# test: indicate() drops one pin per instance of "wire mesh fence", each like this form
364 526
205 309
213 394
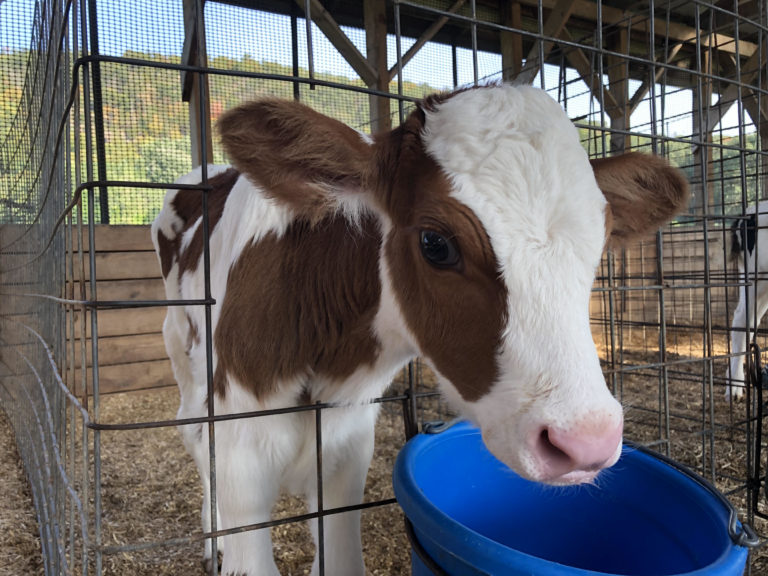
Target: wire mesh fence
104 104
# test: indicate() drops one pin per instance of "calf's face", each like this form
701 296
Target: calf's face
497 227
493 222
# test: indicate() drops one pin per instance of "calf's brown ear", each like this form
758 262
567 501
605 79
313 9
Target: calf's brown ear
298 155
643 192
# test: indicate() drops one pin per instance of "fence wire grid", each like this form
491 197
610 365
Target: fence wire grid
104 104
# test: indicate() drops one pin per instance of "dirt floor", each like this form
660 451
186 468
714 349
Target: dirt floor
151 490
20 553
151 493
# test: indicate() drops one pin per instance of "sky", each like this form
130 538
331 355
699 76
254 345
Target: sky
157 26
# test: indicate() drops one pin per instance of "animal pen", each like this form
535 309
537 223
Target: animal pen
103 104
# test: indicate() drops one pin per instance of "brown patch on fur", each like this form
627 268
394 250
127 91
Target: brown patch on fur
270 141
193 337
188 206
168 251
299 305
457 314
643 192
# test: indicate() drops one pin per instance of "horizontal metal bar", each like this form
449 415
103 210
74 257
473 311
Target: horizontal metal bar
245 528
242 415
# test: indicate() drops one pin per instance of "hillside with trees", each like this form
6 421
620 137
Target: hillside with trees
146 126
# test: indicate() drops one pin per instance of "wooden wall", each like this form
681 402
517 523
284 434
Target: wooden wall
132 354
694 271
131 351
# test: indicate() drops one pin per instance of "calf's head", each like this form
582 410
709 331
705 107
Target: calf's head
493 222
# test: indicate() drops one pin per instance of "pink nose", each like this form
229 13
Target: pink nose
587 447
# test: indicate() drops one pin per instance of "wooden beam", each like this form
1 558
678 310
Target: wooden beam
511 44
645 87
749 72
375 21
584 67
749 100
554 25
428 34
702 155
134 238
341 41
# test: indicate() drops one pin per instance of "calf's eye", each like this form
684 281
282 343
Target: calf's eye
439 250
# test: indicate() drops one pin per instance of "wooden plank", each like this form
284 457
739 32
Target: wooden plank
108 238
22 278
18 304
142 289
126 377
122 322
117 238
340 41
14 334
122 349
124 266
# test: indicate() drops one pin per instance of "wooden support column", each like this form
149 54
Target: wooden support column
619 89
511 43
194 89
375 17
702 132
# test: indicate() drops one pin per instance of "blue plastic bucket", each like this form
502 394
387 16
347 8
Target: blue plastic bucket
471 515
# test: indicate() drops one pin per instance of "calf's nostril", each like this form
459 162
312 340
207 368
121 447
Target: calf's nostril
550 452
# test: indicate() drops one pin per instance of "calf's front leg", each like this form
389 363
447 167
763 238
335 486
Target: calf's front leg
345 467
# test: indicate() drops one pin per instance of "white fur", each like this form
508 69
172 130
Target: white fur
753 302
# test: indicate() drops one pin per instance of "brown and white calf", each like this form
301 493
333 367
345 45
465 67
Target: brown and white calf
468 236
